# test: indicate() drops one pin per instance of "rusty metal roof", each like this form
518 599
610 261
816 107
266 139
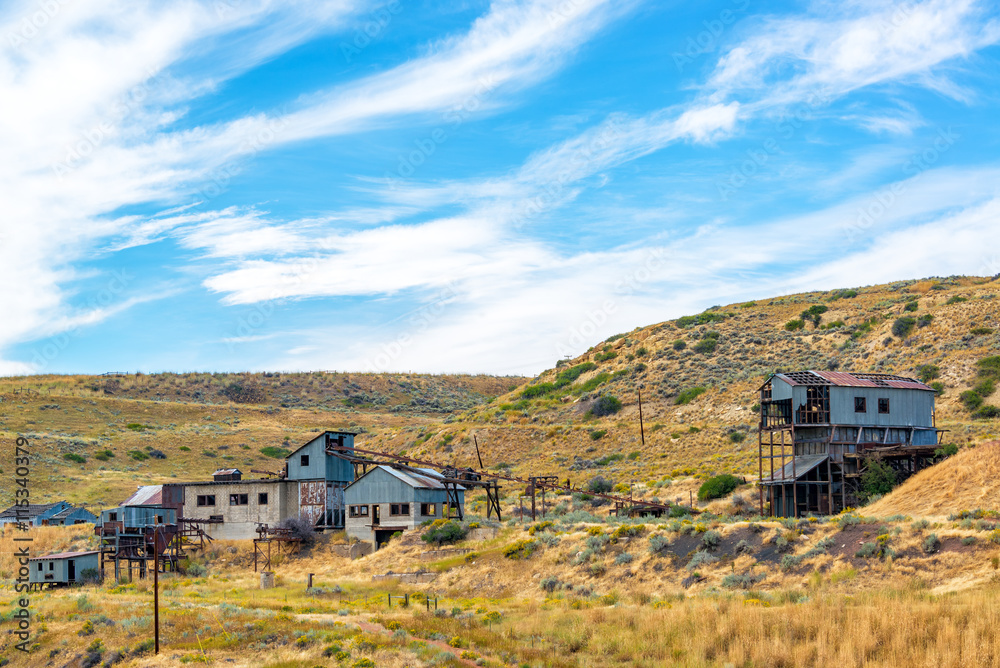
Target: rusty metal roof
64 555
227 472
147 495
852 379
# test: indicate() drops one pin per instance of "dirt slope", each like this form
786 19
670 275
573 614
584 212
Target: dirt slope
967 481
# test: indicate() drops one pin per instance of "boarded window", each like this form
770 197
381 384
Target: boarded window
238 499
304 460
215 517
883 406
399 509
206 499
262 498
428 509
860 405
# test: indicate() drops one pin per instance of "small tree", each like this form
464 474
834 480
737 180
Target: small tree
605 405
879 478
600 485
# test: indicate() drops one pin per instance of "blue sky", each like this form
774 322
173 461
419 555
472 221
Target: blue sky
470 186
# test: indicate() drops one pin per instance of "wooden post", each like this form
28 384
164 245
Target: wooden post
760 469
310 584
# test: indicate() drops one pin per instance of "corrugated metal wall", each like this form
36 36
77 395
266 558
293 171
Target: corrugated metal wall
906 407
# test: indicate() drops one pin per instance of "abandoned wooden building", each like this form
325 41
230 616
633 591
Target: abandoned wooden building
387 499
64 568
818 429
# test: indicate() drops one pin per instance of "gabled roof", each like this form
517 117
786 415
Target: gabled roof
417 478
147 495
66 512
227 472
328 431
64 555
34 510
852 379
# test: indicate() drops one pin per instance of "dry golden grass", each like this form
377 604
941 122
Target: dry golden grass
967 481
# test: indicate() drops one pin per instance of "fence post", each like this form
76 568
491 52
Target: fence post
389 597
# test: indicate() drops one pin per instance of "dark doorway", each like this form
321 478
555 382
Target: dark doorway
71 570
376 508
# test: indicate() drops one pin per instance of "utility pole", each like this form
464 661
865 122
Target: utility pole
156 591
642 432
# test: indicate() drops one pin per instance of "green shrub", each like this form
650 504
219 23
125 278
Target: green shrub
793 325
275 452
658 544
707 344
903 326
447 532
73 457
814 314
946 450
737 437
981 331
138 455
741 581
701 558
689 395
607 459
605 405
718 487
533 391
931 544
679 344
711 539
634 455
986 413
593 383
521 549
598 434
985 388
878 479
135 426
928 372
971 399
600 485
911 306
956 300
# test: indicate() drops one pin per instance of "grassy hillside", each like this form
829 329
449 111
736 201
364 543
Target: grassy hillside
699 375
908 580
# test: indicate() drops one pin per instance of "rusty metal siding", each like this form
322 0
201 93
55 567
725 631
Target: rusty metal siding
312 501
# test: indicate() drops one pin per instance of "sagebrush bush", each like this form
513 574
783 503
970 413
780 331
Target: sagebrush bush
718 487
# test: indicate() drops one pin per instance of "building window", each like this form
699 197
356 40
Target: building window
39 565
428 509
112 517
51 565
399 509
262 498
359 511
304 460
238 499
860 406
215 517
883 406
206 499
